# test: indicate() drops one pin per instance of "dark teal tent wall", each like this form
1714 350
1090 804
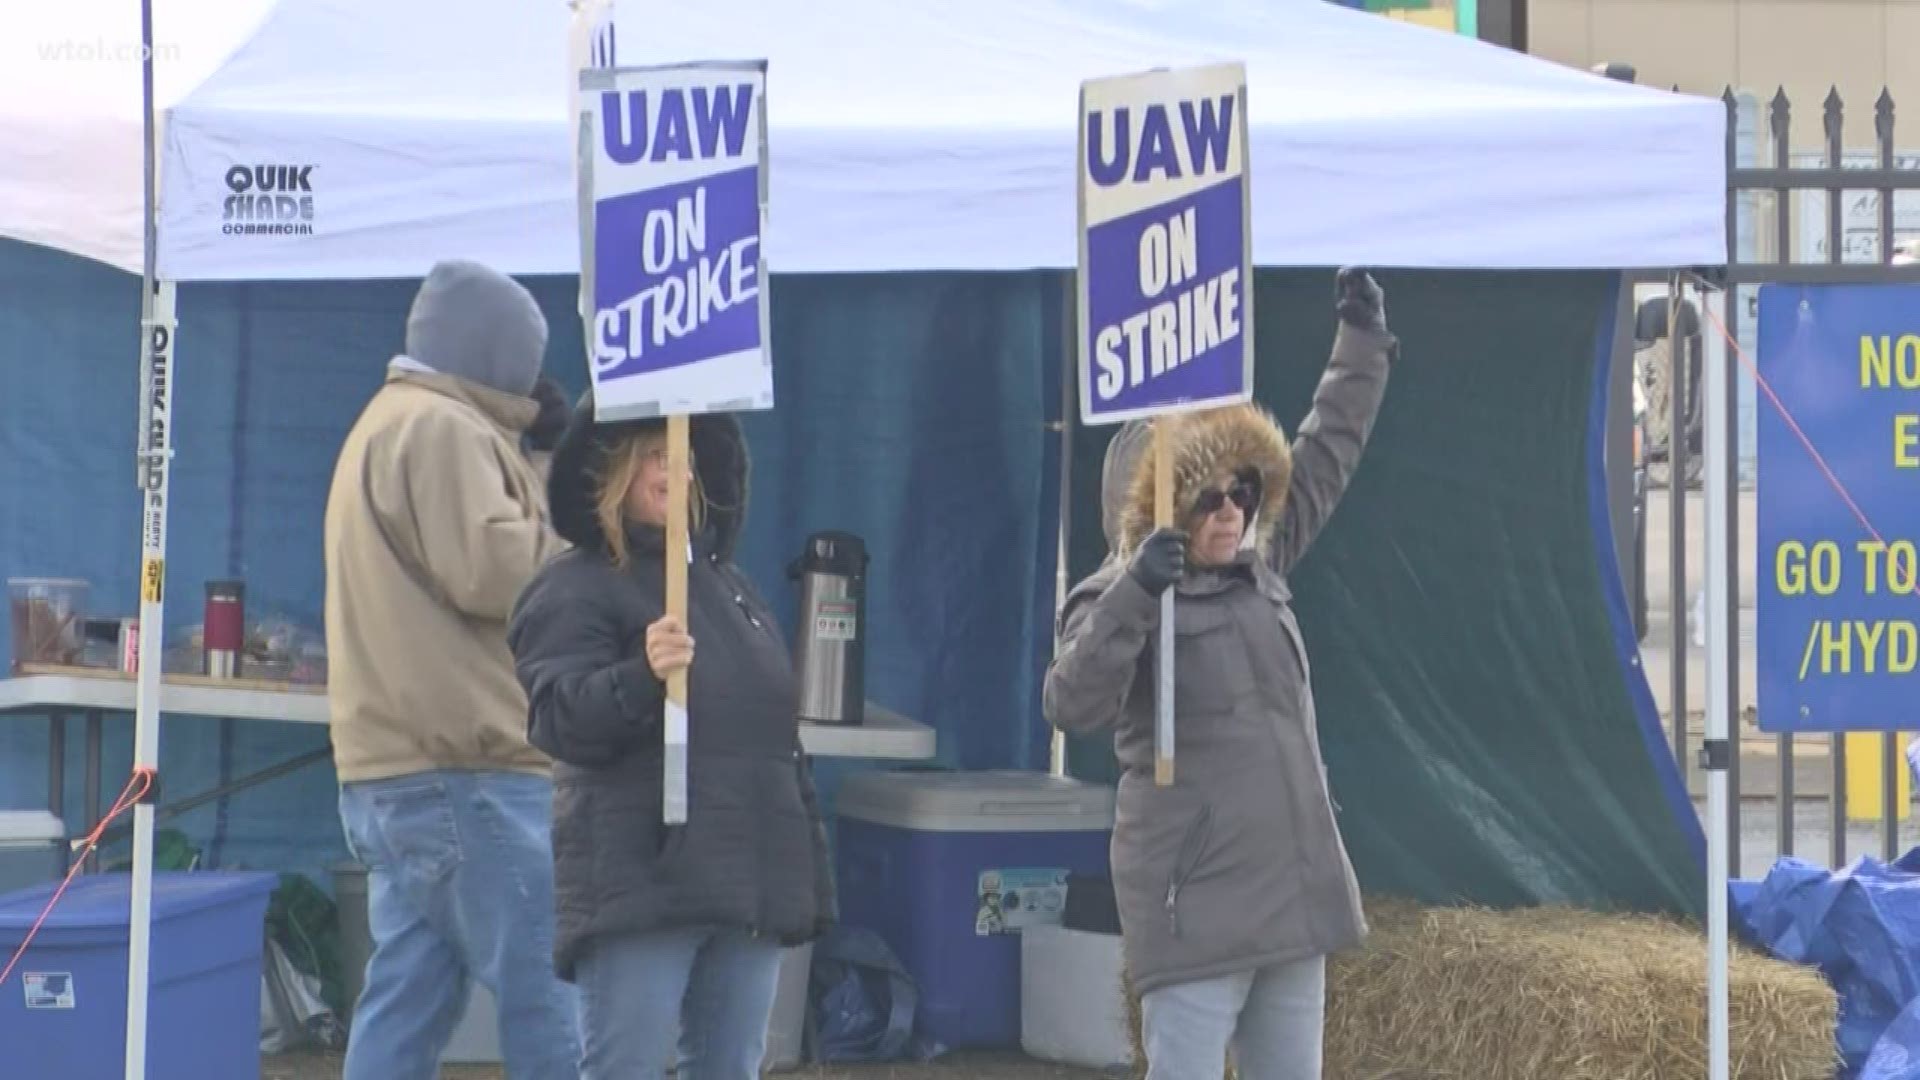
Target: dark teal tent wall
1485 734
912 409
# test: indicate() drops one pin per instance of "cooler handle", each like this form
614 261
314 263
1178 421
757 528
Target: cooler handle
994 806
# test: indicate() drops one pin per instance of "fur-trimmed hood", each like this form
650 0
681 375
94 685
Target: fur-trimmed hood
1206 445
719 457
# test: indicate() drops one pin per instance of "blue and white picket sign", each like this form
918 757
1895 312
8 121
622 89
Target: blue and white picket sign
674 206
1166 268
1166 256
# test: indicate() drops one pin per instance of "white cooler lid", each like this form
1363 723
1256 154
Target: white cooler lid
991 801
31 827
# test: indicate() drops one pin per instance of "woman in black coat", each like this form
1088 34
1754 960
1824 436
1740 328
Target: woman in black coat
657 924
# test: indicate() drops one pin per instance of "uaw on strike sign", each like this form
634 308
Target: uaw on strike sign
1837 617
1166 259
674 178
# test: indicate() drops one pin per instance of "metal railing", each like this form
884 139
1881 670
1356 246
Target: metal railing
1861 231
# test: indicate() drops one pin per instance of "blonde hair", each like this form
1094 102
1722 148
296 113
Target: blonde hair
623 461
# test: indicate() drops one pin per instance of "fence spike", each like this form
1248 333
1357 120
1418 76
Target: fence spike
1883 115
1833 113
1779 119
1836 155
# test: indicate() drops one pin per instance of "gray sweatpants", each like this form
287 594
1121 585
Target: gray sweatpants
1270 1018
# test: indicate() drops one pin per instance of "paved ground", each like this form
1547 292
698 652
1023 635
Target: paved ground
1759 830
969 1066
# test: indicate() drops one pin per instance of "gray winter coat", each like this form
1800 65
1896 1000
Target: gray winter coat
752 854
1239 864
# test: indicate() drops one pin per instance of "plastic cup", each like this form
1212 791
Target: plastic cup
46 616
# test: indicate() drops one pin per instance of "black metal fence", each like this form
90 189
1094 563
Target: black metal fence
1856 246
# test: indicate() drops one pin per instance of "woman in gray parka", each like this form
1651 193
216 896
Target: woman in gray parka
1233 883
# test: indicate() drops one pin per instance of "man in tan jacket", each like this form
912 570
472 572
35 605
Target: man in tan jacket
435 522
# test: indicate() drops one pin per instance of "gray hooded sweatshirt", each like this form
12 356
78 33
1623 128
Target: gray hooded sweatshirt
475 323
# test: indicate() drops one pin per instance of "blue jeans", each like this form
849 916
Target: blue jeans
459 886
1271 1019
635 989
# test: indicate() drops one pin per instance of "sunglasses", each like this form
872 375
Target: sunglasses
1243 493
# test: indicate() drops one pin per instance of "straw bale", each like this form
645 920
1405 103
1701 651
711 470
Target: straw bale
1466 993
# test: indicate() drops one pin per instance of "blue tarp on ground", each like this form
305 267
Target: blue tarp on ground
912 409
1861 928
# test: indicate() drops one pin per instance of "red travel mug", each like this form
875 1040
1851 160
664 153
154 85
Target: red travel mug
225 625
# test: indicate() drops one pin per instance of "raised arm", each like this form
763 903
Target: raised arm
1330 442
588 701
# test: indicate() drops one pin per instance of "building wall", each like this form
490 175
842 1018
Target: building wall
1807 47
1453 16
1704 46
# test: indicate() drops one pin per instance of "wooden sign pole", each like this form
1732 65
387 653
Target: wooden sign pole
627 385
674 787
1163 697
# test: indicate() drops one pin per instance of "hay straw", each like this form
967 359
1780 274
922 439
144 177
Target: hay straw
1472 994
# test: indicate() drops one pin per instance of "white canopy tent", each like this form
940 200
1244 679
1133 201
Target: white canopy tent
904 135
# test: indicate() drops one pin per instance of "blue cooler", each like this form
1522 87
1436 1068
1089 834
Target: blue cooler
947 867
63 1012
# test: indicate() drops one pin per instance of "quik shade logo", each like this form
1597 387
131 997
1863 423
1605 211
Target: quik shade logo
268 200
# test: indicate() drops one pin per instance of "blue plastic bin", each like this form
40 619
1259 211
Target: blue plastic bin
947 867
63 1013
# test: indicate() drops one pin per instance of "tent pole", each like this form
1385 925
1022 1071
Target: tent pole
155 441
1716 752
1069 383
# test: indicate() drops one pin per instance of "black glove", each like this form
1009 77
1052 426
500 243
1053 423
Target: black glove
1161 560
1359 300
554 414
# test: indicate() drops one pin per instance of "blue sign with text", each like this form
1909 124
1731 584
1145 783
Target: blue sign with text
1838 508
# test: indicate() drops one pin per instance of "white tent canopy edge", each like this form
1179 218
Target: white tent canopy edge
70 112
941 138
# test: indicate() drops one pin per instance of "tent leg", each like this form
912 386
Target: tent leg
1069 361
156 446
1717 751
157 443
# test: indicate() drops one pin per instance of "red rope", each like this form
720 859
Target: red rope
137 787
1792 425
